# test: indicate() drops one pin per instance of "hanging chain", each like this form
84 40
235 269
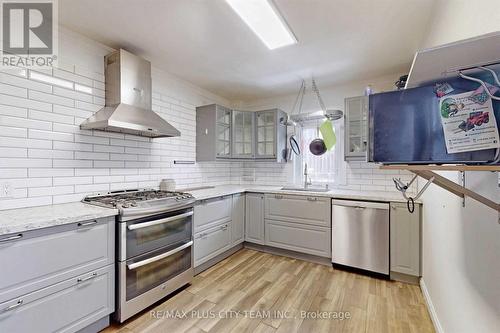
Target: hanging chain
320 100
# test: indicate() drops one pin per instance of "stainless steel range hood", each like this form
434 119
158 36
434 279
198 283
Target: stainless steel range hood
128 99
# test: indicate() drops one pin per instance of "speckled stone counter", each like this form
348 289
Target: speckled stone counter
24 219
217 191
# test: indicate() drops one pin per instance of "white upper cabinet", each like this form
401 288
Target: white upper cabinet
243 134
222 133
356 128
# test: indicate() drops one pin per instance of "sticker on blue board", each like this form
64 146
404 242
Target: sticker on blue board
480 95
442 89
468 124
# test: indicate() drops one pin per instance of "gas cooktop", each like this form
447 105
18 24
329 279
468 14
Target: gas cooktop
139 198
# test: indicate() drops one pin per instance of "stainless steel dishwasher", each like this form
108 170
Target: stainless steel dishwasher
360 235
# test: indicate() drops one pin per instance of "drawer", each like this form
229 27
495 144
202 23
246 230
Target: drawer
44 257
211 242
67 306
306 239
299 209
212 211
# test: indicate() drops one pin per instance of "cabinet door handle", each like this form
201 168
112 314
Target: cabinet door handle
86 224
92 276
278 196
312 199
393 207
11 238
13 306
224 227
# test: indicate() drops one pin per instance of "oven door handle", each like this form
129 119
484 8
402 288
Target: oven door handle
160 221
159 257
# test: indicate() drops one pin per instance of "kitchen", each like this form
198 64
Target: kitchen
170 174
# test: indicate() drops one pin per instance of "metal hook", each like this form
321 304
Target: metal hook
401 187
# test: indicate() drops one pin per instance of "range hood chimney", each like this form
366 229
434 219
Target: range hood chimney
128 99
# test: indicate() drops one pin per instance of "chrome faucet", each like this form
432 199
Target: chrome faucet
306 182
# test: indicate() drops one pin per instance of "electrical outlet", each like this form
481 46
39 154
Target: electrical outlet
6 190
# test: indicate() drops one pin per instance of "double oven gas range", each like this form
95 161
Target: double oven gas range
154 247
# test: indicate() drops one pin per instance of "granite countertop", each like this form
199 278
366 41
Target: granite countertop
217 191
24 219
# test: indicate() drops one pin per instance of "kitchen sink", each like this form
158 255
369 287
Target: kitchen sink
309 189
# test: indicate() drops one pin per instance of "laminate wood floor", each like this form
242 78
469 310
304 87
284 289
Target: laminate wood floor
253 291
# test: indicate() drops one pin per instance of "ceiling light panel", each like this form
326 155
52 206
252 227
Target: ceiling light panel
265 21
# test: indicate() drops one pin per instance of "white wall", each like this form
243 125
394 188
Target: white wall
461 270
360 176
48 159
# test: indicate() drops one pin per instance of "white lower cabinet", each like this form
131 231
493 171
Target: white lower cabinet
238 219
58 279
405 234
211 242
254 218
67 306
299 238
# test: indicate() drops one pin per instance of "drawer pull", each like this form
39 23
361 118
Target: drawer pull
160 221
80 280
159 257
13 306
86 224
11 238
278 196
312 199
224 227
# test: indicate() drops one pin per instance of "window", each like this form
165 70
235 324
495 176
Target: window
328 168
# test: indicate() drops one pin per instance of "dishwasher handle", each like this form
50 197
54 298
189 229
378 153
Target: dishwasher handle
360 204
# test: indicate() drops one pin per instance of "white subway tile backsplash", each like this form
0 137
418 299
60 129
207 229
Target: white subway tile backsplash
25 123
13 173
6 162
72 164
8 110
13 152
25 83
91 139
72 77
24 103
58 181
14 132
46 153
50 172
52 190
53 99
91 156
99 188
49 116
48 135
13 90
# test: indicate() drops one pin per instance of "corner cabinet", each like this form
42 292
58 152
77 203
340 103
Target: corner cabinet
213 132
223 134
405 234
356 128
270 135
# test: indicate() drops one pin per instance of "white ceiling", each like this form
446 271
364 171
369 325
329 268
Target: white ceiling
206 43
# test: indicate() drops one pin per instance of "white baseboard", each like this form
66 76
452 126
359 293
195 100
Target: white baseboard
430 307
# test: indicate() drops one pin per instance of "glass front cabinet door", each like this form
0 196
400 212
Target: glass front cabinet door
223 132
243 134
356 128
265 134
